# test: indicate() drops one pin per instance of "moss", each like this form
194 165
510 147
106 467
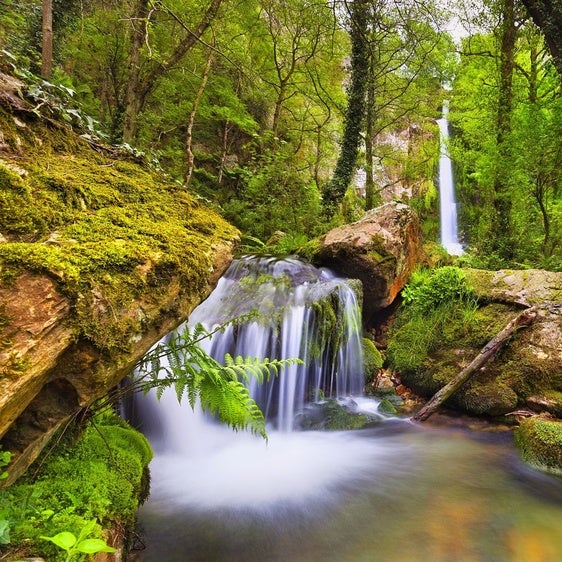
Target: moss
338 418
105 229
539 443
99 475
372 359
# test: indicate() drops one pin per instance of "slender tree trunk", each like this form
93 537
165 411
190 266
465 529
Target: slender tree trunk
140 87
369 142
133 100
47 48
502 239
547 15
191 120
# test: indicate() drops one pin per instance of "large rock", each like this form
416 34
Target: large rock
527 373
381 249
99 258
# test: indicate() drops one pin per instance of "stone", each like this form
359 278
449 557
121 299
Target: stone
381 249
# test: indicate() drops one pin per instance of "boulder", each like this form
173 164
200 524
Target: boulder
100 256
381 249
526 373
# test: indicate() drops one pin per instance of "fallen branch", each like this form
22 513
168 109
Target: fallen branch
525 318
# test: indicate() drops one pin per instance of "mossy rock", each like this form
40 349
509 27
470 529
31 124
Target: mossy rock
539 443
488 399
372 359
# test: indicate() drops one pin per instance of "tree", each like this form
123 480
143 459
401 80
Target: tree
47 39
144 73
547 15
359 68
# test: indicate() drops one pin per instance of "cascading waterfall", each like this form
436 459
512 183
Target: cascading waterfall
392 491
301 312
448 204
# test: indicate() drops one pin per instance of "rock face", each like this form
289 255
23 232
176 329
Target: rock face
99 258
381 249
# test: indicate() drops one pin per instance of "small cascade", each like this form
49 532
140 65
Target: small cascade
448 204
300 312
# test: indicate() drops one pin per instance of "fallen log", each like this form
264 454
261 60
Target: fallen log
524 319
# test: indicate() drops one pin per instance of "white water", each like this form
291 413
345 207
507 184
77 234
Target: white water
241 471
448 204
391 492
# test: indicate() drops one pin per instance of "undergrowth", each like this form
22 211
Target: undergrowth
88 481
437 305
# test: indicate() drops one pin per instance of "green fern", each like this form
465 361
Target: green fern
182 364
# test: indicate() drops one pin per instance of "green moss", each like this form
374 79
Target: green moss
105 229
100 475
339 419
372 359
539 443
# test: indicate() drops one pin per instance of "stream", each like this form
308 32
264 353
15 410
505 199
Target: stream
392 491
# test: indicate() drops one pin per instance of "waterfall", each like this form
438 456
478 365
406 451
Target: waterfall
448 204
301 312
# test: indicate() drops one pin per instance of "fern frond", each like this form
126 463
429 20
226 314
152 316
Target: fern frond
180 362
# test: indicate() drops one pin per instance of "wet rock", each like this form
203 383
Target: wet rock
381 249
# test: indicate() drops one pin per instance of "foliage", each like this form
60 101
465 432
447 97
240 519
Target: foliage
182 364
97 475
436 304
427 289
73 545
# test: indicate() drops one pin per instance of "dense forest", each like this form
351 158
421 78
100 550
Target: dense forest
272 110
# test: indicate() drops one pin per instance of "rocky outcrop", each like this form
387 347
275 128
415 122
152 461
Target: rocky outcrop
100 256
526 374
381 249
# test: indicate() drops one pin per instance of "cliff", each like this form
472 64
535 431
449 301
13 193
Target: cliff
100 256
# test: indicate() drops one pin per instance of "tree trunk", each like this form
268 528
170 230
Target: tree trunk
501 239
191 120
140 87
47 48
369 142
547 15
334 191
525 318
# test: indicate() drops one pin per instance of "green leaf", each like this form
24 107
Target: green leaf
64 540
91 546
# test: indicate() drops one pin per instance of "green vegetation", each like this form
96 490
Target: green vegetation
439 309
539 442
88 482
221 389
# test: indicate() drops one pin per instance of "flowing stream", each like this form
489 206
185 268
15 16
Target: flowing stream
393 491
447 201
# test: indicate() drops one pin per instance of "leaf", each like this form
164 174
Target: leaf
64 540
91 546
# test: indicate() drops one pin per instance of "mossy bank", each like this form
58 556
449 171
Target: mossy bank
100 256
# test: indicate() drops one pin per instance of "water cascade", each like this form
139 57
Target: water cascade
301 312
391 491
448 204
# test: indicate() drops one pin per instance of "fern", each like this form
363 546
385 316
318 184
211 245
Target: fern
182 364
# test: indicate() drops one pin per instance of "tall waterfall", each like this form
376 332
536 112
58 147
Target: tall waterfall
448 204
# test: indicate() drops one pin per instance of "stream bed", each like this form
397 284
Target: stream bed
394 492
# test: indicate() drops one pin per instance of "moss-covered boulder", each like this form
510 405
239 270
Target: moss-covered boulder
429 350
100 256
539 442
